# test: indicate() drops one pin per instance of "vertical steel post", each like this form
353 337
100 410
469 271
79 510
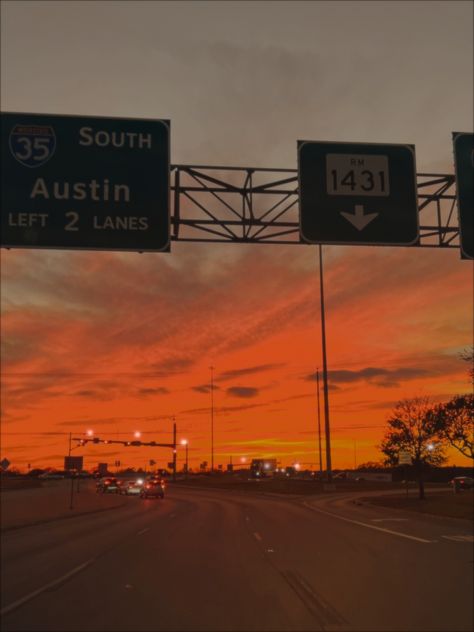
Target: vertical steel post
325 370
212 418
319 427
174 451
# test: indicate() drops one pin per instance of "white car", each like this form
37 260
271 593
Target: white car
132 488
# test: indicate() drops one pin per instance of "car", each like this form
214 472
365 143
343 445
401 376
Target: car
109 485
153 489
132 488
462 482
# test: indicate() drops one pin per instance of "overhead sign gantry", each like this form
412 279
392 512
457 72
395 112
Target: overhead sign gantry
357 193
73 182
82 182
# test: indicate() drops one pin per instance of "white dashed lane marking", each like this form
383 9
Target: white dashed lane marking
143 531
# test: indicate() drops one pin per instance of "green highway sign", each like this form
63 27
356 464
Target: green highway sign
73 463
357 193
464 167
83 182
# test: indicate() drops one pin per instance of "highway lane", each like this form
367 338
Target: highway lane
206 560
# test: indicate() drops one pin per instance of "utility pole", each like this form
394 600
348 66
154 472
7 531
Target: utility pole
212 418
325 370
319 427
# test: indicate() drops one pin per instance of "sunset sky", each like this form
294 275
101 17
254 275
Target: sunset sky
120 342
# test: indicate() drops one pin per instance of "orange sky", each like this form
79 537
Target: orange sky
124 342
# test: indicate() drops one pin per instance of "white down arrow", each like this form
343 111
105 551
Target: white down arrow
358 218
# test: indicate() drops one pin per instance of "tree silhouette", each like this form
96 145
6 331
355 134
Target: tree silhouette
455 421
468 356
413 428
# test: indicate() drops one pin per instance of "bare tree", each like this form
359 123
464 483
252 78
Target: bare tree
455 421
413 428
468 356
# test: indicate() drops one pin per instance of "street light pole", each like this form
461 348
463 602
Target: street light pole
174 450
185 442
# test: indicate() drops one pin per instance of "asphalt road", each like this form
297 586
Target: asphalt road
210 560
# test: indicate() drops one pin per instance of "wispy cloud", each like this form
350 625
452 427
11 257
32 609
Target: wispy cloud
242 391
260 368
378 376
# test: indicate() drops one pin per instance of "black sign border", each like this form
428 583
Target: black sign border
456 136
410 147
166 123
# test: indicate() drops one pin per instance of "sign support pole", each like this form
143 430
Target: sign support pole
212 419
325 370
319 427
72 494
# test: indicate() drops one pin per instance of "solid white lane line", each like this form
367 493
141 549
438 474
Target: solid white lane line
459 538
143 531
369 526
55 582
389 519
257 536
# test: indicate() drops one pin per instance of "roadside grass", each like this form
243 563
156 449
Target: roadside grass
11 484
440 504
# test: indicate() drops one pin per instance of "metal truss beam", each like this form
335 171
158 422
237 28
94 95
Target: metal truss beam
259 205
82 442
